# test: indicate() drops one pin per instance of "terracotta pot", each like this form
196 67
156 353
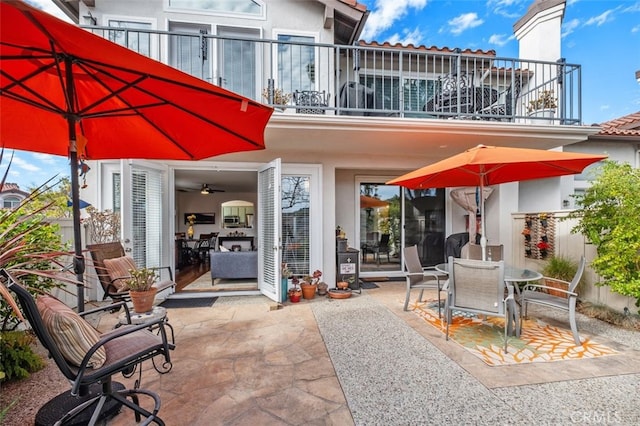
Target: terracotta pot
143 300
308 290
295 295
342 285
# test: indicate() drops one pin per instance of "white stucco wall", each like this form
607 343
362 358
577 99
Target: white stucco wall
540 37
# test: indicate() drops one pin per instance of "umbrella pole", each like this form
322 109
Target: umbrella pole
78 260
483 237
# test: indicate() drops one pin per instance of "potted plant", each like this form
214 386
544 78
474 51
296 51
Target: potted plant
558 271
141 289
276 97
544 106
295 293
285 277
309 284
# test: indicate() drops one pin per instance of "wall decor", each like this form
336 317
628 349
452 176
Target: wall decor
201 218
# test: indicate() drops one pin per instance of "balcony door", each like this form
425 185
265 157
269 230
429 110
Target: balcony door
191 52
238 61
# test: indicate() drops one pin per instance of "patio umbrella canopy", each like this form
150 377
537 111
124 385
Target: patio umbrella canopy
65 91
368 202
491 165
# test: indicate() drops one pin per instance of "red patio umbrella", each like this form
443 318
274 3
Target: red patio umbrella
65 91
491 165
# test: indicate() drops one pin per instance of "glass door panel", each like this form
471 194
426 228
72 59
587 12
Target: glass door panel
237 67
424 221
380 227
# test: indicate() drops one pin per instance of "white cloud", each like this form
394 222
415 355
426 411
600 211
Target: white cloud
385 14
461 23
46 158
635 29
601 19
569 26
24 165
500 39
511 9
633 8
407 37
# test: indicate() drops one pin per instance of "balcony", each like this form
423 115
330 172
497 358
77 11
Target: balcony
298 77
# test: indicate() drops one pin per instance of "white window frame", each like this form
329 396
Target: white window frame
316 52
262 16
153 38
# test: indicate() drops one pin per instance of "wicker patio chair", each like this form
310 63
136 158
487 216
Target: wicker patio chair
110 278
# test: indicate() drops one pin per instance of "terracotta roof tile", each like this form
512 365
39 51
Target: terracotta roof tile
354 4
425 48
9 187
628 125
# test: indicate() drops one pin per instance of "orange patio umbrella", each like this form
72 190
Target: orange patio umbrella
491 165
65 91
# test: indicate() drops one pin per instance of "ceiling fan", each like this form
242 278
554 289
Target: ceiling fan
206 189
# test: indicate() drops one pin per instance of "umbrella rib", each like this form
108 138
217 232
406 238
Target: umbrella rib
7 91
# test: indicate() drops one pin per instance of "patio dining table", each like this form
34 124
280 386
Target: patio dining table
448 102
512 274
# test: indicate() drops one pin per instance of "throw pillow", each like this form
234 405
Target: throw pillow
223 249
73 335
118 269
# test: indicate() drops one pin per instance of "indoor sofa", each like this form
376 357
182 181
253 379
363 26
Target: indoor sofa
234 264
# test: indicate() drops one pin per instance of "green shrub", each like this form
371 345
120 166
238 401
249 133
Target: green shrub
608 217
18 359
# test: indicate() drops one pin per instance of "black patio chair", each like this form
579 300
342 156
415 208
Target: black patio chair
117 351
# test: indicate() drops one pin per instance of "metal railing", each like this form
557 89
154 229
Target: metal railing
311 78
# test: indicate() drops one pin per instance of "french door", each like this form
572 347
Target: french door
269 240
144 223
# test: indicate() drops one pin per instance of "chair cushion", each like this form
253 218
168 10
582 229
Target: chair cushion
118 269
73 335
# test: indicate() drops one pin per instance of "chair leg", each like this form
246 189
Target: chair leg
572 321
406 298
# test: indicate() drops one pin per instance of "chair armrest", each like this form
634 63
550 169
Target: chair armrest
534 287
115 334
111 306
168 268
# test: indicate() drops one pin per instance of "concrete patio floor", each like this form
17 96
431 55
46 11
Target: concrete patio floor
243 361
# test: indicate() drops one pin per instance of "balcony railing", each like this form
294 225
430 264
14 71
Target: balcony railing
298 77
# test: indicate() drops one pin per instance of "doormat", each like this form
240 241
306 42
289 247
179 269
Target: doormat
197 302
484 338
368 285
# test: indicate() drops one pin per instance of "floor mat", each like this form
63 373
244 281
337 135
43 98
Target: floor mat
195 302
204 283
368 285
538 342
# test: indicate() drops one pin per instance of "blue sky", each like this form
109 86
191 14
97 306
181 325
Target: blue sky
601 35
